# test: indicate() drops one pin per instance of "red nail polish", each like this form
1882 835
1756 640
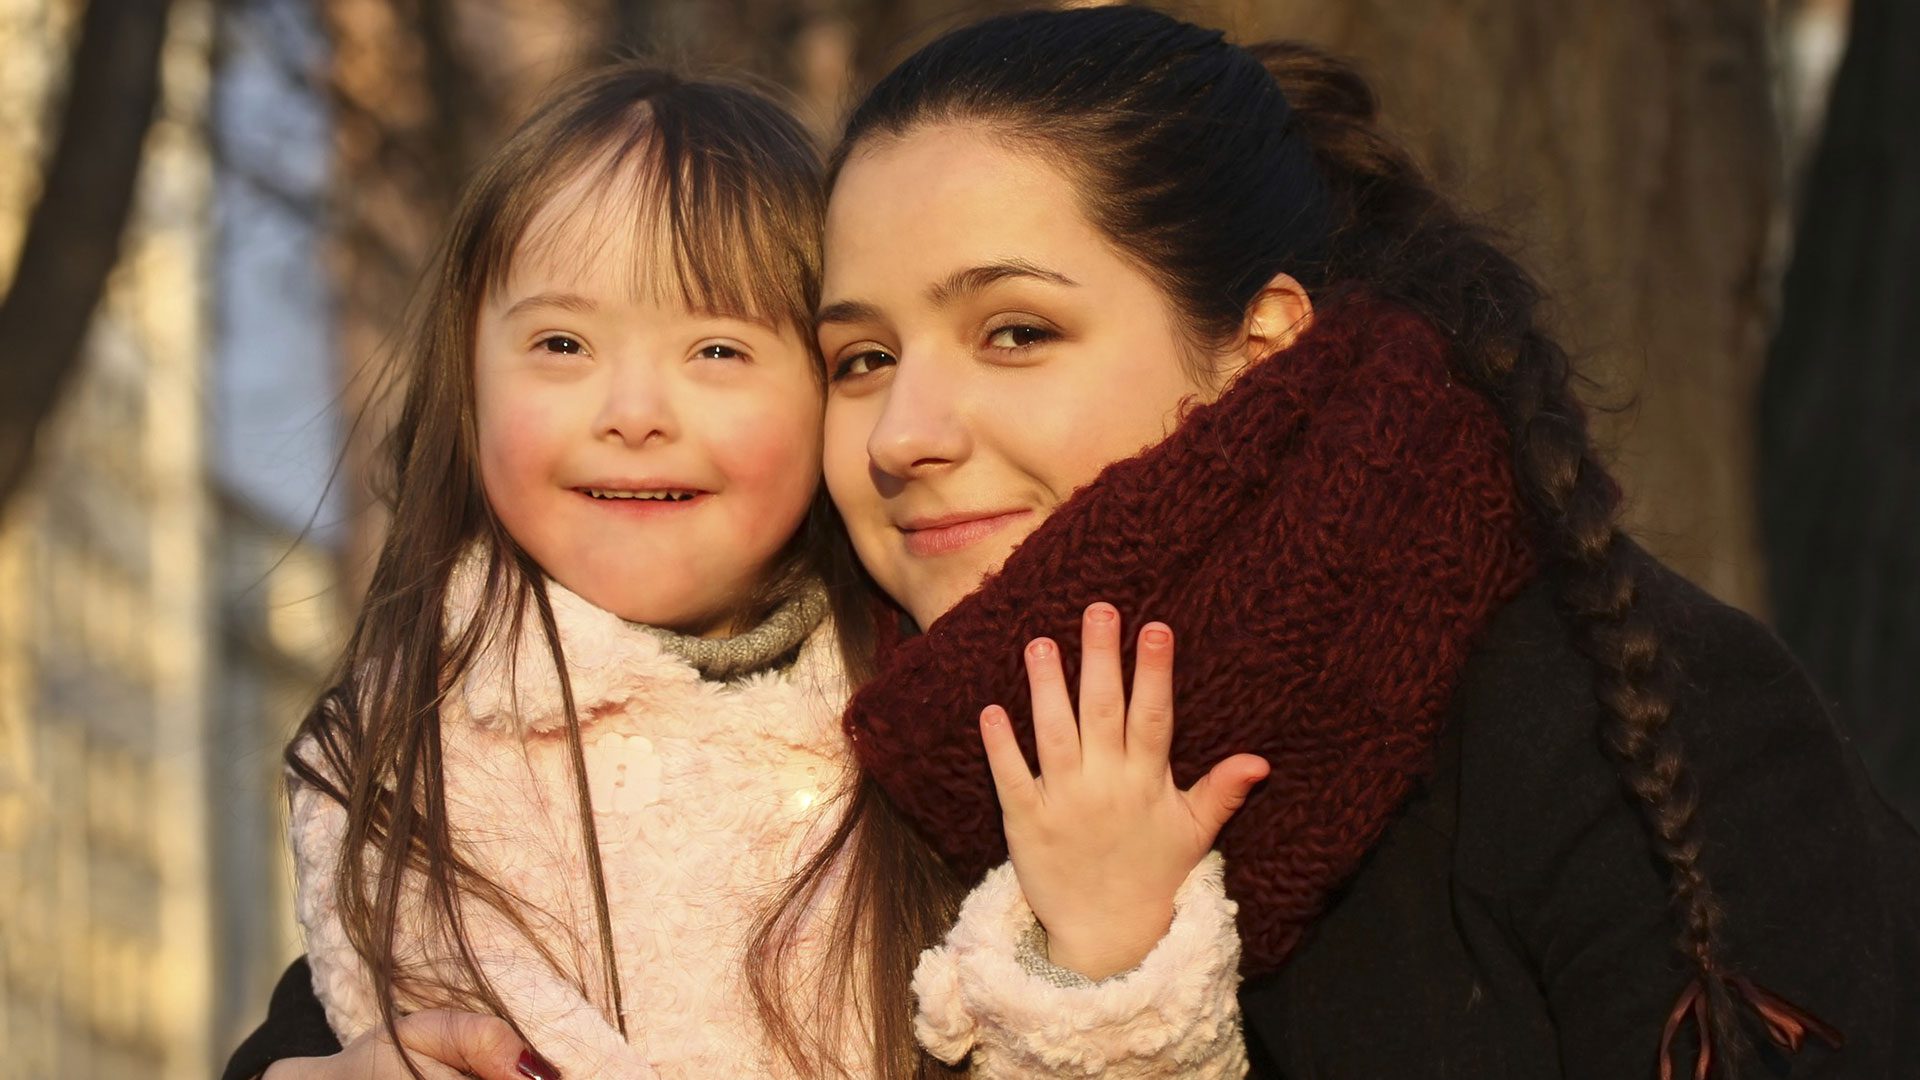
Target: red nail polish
535 1067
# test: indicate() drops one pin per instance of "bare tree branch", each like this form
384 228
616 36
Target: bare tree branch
461 101
73 235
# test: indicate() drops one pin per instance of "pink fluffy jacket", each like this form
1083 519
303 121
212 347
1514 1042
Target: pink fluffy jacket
706 796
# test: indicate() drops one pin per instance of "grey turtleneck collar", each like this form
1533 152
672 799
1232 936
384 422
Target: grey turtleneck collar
763 647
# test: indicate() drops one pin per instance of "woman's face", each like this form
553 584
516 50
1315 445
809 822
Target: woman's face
988 353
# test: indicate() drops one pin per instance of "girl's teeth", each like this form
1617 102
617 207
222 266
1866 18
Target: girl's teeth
666 496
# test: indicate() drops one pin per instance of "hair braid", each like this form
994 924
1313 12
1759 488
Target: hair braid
1395 234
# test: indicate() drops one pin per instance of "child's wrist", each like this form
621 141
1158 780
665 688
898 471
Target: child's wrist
1103 948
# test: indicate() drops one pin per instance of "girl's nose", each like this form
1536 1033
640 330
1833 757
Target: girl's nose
638 407
921 427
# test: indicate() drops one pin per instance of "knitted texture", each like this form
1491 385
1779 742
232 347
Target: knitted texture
1326 540
756 650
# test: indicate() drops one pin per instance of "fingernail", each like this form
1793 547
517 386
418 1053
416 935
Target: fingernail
1101 613
1041 649
536 1067
992 716
1157 637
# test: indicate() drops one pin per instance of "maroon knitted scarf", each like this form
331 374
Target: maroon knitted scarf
1326 540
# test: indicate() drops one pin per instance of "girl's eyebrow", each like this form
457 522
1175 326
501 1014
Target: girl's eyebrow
573 302
735 315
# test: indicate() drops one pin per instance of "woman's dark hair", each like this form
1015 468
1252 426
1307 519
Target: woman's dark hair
1215 168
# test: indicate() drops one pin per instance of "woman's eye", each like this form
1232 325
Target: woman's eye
861 363
1018 337
560 344
720 352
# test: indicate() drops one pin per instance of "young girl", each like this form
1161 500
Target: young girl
587 723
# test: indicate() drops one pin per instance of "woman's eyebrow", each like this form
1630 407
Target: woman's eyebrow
972 279
847 311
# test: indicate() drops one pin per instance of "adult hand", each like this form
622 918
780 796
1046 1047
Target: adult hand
1103 838
445 1044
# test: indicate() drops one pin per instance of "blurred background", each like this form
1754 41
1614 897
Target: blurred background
211 212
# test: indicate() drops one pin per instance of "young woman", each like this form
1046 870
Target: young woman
1538 806
1116 311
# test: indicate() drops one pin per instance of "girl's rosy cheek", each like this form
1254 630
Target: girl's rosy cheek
780 455
516 447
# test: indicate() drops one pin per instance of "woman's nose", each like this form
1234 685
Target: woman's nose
921 426
637 407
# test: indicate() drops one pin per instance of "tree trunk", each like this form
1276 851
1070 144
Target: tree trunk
1631 150
73 236
1840 418
420 90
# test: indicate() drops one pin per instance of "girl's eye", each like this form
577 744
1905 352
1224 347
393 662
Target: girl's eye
862 363
1018 337
720 352
560 344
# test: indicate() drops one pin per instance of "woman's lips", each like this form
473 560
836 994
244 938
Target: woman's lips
953 533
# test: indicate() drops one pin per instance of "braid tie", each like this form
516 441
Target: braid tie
1788 1025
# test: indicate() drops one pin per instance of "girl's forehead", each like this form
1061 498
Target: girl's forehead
700 233
600 231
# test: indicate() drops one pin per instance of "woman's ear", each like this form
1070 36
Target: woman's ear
1276 317
1279 314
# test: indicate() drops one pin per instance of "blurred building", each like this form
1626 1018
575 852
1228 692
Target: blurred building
277 600
155 639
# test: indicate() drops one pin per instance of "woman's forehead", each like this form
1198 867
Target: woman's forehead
941 205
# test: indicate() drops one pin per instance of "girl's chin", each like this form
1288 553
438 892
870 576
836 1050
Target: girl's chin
690 619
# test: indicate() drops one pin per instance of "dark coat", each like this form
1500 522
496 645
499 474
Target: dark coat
1512 922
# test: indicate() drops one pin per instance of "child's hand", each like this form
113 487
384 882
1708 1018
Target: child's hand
1102 839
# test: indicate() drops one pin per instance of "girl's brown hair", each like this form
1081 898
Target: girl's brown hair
1215 168
729 187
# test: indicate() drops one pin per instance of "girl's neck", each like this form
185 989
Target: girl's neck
770 645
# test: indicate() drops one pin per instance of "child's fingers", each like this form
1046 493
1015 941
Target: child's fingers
1011 778
1150 710
1217 796
1103 700
1056 736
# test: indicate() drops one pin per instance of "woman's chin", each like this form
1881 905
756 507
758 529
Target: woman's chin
928 604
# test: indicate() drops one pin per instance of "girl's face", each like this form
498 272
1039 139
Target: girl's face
652 459
988 353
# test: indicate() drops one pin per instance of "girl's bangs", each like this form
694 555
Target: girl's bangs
696 222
